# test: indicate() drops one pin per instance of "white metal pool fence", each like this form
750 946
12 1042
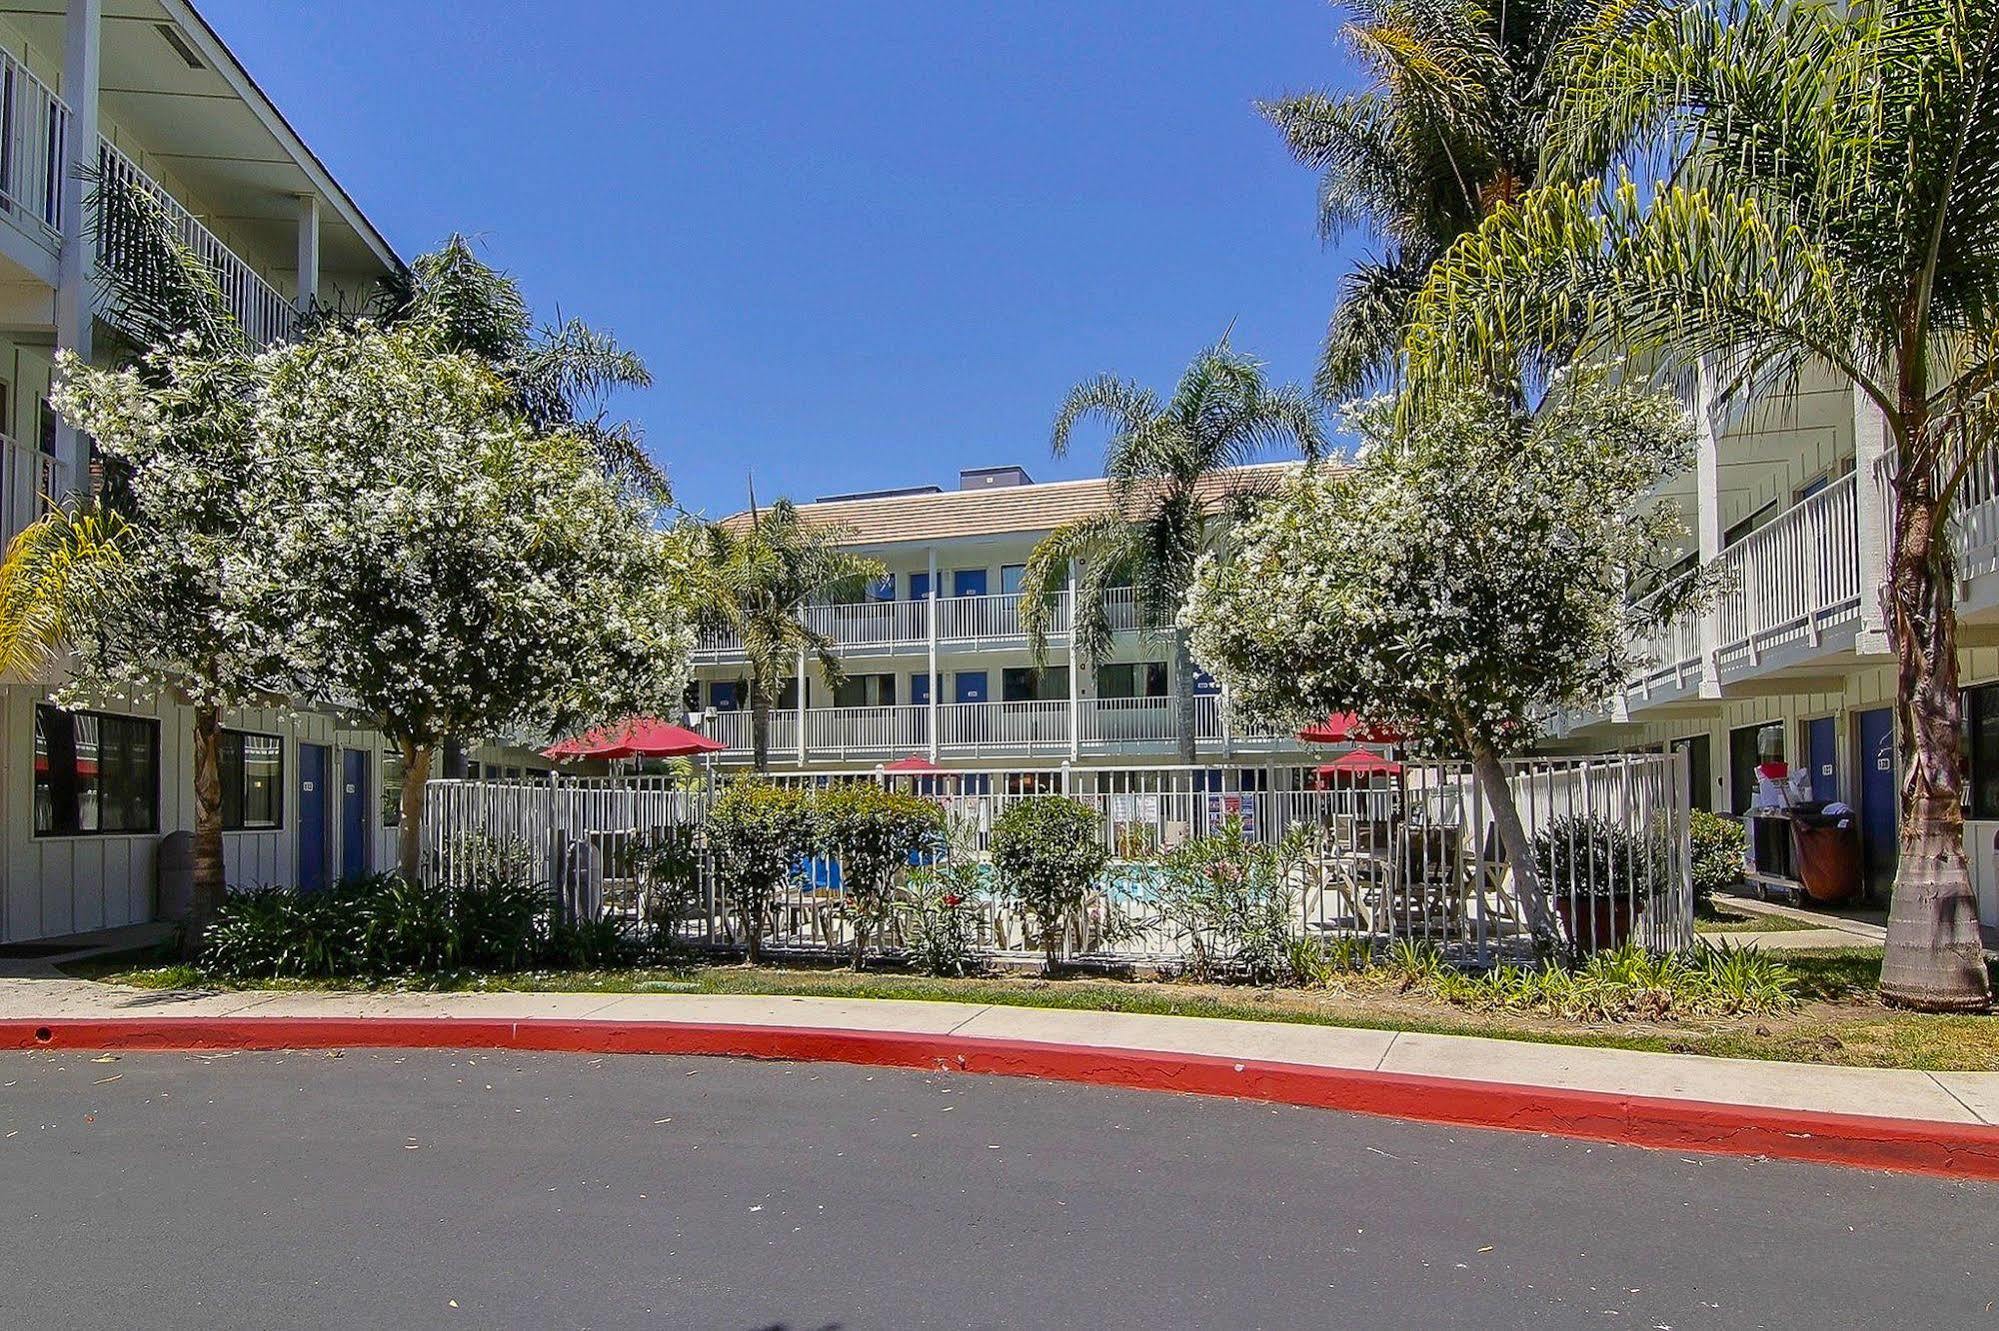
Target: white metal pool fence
1417 860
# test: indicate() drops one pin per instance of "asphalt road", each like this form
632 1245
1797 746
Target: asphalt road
433 1189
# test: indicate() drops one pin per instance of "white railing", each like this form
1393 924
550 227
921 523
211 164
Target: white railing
842 732
972 728
1113 721
34 139
1791 579
1208 719
871 623
1669 653
734 730
264 313
29 480
1102 726
978 618
1419 860
905 625
1121 609
1974 519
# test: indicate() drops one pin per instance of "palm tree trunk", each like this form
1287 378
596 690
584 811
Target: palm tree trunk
210 872
1527 886
760 728
1183 696
1933 959
409 835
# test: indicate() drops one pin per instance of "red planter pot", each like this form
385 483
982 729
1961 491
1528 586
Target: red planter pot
1597 924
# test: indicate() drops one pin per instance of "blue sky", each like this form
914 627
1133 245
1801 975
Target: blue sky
859 245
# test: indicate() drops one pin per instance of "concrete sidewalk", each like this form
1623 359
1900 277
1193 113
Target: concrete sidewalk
1964 1098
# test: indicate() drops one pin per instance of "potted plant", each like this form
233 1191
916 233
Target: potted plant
1601 876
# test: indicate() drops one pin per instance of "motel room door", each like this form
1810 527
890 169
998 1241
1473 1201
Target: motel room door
1822 758
354 848
1875 744
314 771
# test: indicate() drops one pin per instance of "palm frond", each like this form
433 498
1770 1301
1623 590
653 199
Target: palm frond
50 567
157 290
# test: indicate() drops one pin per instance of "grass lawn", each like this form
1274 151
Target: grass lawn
1838 1021
1724 918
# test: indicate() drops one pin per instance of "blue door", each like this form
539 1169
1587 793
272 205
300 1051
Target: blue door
1876 743
313 771
1822 758
919 586
971 685
919 690
968 582
354 856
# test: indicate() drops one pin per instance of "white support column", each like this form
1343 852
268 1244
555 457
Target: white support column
1873 514
1075 678
308 252
935 685
76 268
1707 514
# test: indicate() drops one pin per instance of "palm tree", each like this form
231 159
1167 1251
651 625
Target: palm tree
1175 481
1450 129
759 572
560 375
1830 202
54 562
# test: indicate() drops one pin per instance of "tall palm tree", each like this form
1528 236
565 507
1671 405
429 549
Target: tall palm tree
1175 486
560 375
758 574
1449 129
1830 202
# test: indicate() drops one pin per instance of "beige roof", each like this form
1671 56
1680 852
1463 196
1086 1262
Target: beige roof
1007 510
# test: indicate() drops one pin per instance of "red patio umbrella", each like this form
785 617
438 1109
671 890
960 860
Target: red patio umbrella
1361 762
1347 728
635 737
915 764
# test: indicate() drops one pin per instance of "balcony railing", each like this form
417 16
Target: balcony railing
29 480
1669 652
1786 584
265 314
991 729
34 137
1974 518
904 626
1793 578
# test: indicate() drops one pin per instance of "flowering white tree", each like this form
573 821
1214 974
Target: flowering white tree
182 612
445 568
1461 582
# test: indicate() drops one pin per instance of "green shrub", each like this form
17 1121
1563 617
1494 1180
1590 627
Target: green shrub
1226 897
667 863
377 926
872 833
499 922
940 906
1719 847
757 833
1591 856
1047 851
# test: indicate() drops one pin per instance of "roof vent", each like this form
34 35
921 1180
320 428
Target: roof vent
179 43
993 478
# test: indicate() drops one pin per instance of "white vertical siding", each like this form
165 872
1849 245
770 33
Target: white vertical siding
58 885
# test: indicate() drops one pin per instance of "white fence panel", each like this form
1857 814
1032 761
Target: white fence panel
1417 860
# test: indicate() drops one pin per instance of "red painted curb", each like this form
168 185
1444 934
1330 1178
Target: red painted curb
1952 1150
